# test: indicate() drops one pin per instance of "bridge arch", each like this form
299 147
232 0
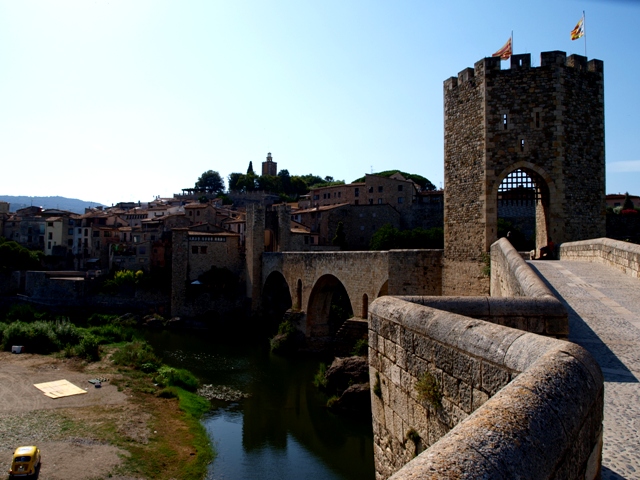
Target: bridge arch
276 299
329 305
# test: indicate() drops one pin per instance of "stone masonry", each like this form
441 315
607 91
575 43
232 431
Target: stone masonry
547 121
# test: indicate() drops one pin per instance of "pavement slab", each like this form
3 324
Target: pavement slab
604 318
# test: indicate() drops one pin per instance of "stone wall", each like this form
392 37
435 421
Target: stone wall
364 275
544 316
512 277
618 254
505 403
195 253
547 121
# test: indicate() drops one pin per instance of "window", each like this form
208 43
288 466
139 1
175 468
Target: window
316 197
107 233
49 224
50 236
400 187
142 250
203 250
505 121
70 242
312 240
356 192
194 249
400 199
49 245
537 119
371 201
96 234
370 189
379 201
70 231
197 213
190 213
357 202
379 188
522 144
86 232
339 194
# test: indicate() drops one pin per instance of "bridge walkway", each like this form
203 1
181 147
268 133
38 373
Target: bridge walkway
604 318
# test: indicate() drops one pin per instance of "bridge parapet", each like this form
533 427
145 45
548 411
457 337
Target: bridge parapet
618 254
512 404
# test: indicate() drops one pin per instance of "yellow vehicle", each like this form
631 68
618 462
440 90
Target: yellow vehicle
26 461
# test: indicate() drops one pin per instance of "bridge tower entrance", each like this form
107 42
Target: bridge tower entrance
541 126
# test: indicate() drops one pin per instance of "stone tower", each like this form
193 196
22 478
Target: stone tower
269 167
544 123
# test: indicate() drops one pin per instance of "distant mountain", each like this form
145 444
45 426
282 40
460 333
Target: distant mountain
62 203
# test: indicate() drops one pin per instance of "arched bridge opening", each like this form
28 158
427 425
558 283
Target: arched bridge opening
328 308
276 300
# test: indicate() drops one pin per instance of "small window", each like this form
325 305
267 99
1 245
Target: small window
70 231
357 202
49 245
142 250
371 201
339 194
505 121
50 235
380 189
370 189
194 249
379 201
400 187
197 213
522 144
537 119
96 233
312 240
49 224
400 199
203 250
356 192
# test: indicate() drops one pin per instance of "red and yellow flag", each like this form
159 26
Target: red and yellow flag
578 31
505 52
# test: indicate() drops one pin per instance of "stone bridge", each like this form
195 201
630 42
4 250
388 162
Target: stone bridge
310 280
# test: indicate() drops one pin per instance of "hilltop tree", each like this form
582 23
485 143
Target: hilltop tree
210 182
250 169
628 203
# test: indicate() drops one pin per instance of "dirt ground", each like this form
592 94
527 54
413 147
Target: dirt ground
64 428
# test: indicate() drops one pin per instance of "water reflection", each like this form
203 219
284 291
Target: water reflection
282 431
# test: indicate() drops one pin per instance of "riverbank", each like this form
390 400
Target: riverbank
122 430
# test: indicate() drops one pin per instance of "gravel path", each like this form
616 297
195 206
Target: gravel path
28 417
604 317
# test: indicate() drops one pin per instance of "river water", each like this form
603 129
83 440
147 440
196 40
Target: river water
283 430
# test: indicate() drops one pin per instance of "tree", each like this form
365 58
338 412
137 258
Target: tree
250 169
233 182
628 203
210 182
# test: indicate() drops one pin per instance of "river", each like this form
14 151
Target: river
282 430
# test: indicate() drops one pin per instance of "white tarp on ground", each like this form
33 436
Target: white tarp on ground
59 388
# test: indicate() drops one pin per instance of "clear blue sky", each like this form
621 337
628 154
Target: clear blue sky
109 100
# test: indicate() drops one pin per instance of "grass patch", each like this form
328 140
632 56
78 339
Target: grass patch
320 379
429 390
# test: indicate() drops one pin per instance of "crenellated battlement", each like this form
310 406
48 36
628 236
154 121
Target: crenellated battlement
523 61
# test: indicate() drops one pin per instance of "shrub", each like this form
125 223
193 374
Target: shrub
135 354
112 333
320 379
37 337
332 401
89 347
361 348
167 393
177 377
67 333
428 389
24 313
101 319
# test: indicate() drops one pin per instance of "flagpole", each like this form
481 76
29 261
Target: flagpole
584 29
512 50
